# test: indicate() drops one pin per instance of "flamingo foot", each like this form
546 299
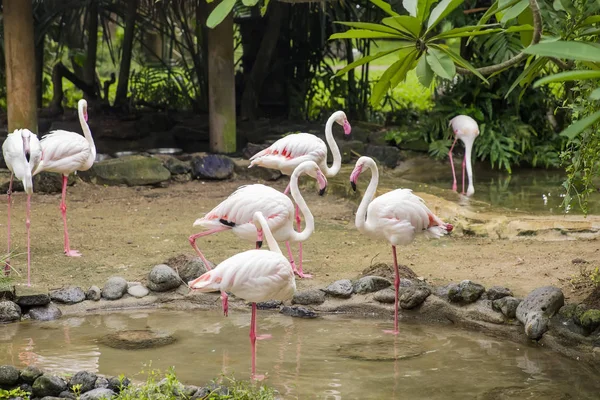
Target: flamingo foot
263 337
72 253
454 187
303 275
225 303
257 377
390 332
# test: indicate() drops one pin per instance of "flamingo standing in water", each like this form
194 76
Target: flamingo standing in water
66 153
255 276
466 129
237 211
22 154
397 216
290 151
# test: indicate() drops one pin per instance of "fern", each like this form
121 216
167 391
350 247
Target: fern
501 46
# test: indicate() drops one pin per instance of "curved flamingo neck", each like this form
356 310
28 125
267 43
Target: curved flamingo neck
268 235
87 132
297 196
335 151
468 141
361 213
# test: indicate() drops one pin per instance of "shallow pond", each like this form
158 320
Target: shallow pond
327 358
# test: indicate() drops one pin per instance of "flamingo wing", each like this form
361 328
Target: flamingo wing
294 149
12 151
64 152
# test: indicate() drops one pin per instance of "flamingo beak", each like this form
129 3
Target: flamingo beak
322 183
354 176
259 244
347 127
449 227
27 148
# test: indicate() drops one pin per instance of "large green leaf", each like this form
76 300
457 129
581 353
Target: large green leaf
514 11
384 82
404 23
456 58
418 8
498 6
250 3
567 76
528 73
526 18
363 34
463 29
408 64
568 50
441 63
575 129
385 7
219 13
424 72
440 11
595 95
467 34
411 7
370 58
590 20
369 26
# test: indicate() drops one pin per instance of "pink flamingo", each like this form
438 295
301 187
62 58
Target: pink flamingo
22 154
397 216
466 129
290 151
66 153
236 213
255 276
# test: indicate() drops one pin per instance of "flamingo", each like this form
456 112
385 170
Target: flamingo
466 129
66 153
290 151
397 216
236 213
22 153
255 276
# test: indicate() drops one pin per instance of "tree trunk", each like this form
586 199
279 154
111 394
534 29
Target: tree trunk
221 87
121 96
19 47
351 99
39 70
89 71
260 69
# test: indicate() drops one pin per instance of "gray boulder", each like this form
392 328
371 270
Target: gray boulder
163 278
64 395
30 373
28 297
269 305
413 296
212 166
129 170
386 296
50 182
370 284
9 375
465 292
311 296
177 167
507 306
192 269
386 155
68 295
537 308
94 293
138 291
87 380
9 311
116 384
49 312
298 312
48 385
98 394
101 383
342 289
114 288
498 292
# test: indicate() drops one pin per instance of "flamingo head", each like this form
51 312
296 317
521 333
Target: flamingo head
82 106
343 121
464 125
356 173
449 227
26 137
312 169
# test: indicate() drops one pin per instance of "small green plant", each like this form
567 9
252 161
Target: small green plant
76 389
595 276
13 393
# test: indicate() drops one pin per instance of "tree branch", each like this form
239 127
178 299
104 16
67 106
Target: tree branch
537 34
560 64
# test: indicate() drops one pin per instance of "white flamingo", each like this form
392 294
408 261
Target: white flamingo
397 216
255 276
466 129
66 153
290 151
236 213
22 154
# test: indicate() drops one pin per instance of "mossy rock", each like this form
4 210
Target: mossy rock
590 320
129 170
137 339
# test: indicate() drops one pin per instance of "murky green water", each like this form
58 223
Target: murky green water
325 358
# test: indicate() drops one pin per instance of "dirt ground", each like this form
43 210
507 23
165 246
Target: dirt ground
125 231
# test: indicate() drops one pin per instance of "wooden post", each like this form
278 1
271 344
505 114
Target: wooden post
221 87
19 50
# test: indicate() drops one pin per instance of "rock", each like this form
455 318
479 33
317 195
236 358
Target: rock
498 292
297 312
138 291
386 155
177 167
413 296
114 288
94 293
465 292
98 394
186 391
190 269
52 397
252 148
346 147
269 305
137 339
48 385
68 295
507 306
163 278
50 182
9 375
590 320
49 312
538 307
370 284
9 311
116 383
30 373
86 379
66 395
129 170
101 382
26 387
311 296
29 297
7 290
212 166
387 296
341 288
256 172
378 138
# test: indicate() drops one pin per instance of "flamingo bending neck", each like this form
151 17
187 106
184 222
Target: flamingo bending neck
361 213
297 196
335 150
259 220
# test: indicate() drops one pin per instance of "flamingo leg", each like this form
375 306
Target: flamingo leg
28 224
396 287
464 165
299 227
454 186
63 209
224 298
287 245
9 194
253 339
